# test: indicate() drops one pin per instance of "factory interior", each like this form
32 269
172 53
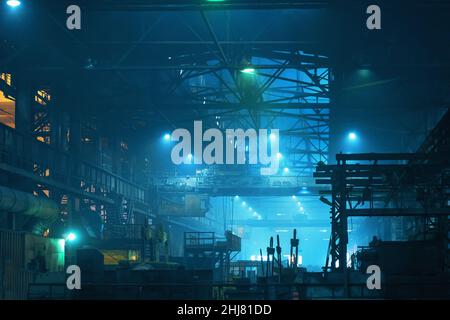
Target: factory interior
356 121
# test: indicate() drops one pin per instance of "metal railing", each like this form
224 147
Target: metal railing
197 239
44 161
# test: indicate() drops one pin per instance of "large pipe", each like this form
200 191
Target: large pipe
27 204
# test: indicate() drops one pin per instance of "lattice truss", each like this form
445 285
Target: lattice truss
281 90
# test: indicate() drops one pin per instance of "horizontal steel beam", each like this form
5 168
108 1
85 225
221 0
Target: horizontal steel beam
198 42
168 67
6 169
231 185
288 224
239 106
381 156
177 5
397 212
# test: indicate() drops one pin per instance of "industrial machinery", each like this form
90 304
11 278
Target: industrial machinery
204 251
224 149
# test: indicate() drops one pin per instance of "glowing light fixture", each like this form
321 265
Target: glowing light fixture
248 70
364 72
167 137
352 136
13 3
71 237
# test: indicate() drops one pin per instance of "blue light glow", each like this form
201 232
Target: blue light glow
13 3
352 136
71 236
272 137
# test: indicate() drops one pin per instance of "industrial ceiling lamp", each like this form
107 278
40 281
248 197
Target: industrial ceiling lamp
248 70
352 136
71 236
13 3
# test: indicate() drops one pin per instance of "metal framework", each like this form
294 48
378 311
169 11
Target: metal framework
294 98
252 82
57 175
183 5
411 185
203 250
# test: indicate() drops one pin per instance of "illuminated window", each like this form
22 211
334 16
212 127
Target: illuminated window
7 111
6 77
7 103
42 97
42 127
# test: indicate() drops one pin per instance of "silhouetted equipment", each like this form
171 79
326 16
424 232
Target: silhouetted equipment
233 241
91 263
262 261
379 184
401 258
325 200
278 248
270 258
293 258
204 251
409 185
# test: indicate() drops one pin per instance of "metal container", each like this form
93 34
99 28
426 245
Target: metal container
11 265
